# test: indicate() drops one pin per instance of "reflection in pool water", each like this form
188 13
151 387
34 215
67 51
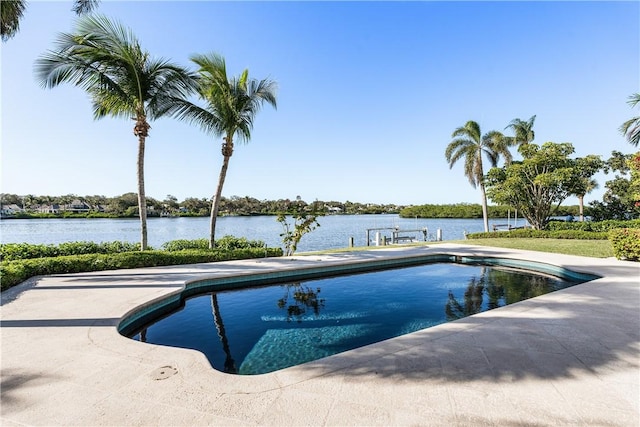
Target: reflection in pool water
263 329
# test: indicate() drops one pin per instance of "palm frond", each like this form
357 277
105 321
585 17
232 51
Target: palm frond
470 130
631 128
80 7
471 167
456 149
104 58
495 144
10 14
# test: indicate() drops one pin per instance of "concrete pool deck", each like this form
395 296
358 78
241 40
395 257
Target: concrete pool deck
567 358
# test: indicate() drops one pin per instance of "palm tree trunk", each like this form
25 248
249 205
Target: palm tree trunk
227 151
485 211
142 200
229 363
480 180
581 203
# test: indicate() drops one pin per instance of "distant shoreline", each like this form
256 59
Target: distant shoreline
426 211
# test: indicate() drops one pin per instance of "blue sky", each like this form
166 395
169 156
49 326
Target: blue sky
369 94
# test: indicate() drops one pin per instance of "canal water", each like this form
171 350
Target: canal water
334 232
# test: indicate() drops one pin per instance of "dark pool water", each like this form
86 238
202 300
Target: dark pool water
259 330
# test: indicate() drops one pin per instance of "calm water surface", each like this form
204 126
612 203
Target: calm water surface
259 330
334 230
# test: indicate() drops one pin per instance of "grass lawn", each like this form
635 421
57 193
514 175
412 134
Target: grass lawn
590 248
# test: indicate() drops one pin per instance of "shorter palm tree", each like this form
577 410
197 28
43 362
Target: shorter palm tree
631 128
587 186
470 144
523 132
231 106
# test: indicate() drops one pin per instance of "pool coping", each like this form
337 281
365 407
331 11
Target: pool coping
64 363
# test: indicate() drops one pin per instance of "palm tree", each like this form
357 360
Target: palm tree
631 128
523 132
12 11
105 59
469 143
231 106
587 186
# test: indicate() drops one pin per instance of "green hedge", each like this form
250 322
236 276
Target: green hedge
626 243
598 226
14 272
17 251
541 234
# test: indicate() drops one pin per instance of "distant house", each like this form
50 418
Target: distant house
10 210
54 209
334 209
77 206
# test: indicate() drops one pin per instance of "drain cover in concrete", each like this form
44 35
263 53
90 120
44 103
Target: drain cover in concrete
164 373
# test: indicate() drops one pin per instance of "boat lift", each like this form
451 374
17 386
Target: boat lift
396 234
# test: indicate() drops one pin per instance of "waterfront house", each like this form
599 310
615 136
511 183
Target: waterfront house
53 209
10 210
77 206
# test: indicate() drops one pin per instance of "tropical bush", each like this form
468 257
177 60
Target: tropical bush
460 210
182 244
599 226
17 271
472 210
626 243
225 243
541 234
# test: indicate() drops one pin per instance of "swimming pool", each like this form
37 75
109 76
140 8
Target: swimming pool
253 324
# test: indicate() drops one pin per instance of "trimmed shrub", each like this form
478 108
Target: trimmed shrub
231 242
182 244
596 226
225 243
540 234
626 243
15 272
12 273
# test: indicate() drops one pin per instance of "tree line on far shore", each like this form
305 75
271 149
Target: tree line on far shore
126 206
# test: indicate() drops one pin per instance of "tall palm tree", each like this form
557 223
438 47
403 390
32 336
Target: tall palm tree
523 132
12 11
631 128
469 143
231 106
105 59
